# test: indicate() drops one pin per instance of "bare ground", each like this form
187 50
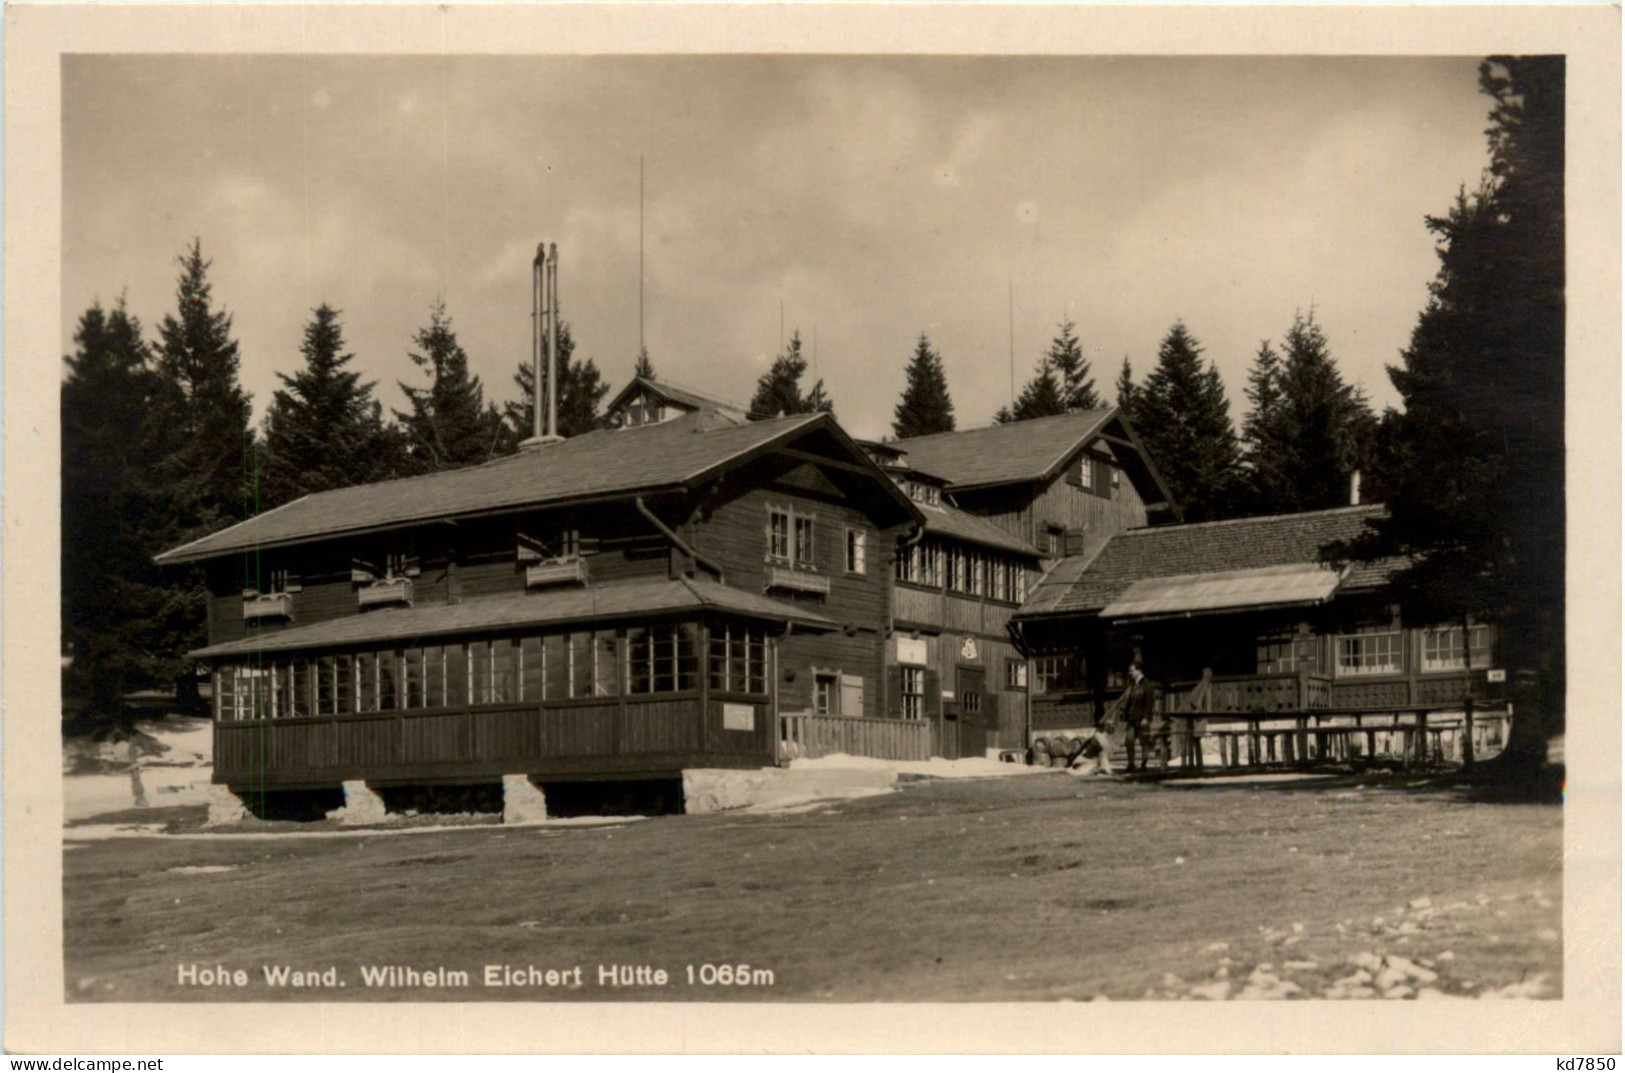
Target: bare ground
990 890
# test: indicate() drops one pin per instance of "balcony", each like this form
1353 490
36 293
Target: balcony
268 606
571 571
385 592
785 577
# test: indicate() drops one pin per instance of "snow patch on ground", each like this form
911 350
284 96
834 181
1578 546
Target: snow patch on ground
934 768
178 776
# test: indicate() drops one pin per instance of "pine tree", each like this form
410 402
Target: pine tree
1330 422
112 593
324 429
204 461
1266 439
1042 396
778 391
1183 419
1475 471
1077 385
925 407
1127 393
645 366
201 406
581 389
449 424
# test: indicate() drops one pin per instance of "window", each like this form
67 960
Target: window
998 579
790 537
1020 573
434 677
913 692
738 659
1284 653
660 659
533 669
1442 648
299 694
804 542
1015 674
1370 650
920 492
976 566
1086 473
504 671
366 664
1051 674
1054 540
826 693
778 534
479 672
856 551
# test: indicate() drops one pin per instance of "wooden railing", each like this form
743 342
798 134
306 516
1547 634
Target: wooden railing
1413 737
811 736
1251 693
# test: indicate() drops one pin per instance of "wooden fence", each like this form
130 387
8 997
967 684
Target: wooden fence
813 736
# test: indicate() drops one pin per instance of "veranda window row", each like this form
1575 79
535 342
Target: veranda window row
965 570
582 665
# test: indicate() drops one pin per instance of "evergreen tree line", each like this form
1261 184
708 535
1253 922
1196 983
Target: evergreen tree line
1307 432
158 449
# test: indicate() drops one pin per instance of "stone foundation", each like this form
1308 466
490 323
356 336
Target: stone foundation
361 805
225 807
522 800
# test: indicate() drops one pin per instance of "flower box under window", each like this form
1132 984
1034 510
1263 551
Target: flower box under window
571 571
268 605
385 592
784 577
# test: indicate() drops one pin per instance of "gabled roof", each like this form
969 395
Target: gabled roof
952 522
1171 551
1004 454
682 396
1035 450
672 456
594 603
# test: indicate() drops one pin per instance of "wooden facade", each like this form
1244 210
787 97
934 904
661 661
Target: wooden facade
633 637
1351 650
976 680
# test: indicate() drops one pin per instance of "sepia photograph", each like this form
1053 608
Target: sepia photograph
794 526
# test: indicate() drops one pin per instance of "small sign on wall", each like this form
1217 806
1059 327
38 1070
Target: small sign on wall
1496 675
968 649
911 650
738 716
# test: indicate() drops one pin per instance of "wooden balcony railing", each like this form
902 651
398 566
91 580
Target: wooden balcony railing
268 605
385 591
811 736
571 571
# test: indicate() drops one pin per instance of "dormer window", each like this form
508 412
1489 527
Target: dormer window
921 492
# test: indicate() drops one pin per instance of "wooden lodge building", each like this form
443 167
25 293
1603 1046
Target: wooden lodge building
1002 504
629 603
1244 617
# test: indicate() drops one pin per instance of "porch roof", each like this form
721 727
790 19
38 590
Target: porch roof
623 600
1230 590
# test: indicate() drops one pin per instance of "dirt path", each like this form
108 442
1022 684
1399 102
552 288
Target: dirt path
1004 889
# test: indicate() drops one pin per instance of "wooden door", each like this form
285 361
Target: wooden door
971 691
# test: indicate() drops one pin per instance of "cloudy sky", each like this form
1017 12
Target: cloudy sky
873 198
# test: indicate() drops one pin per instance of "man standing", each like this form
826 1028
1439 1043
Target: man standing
1141 719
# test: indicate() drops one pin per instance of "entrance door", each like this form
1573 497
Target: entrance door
970 688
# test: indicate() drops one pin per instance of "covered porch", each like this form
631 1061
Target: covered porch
633 680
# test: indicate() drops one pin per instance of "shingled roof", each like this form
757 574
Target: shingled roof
1205 548
596 466
952 522
682 396
595 603
1004 454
